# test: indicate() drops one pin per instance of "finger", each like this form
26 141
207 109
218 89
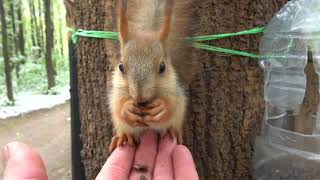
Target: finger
131 116
183 165
161 115
134 120
135 110
154 104
118 165
163 166
22 163
155 111
145 156
156 118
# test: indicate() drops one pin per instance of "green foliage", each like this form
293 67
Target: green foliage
32 73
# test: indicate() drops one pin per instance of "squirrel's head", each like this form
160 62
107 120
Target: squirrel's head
145 64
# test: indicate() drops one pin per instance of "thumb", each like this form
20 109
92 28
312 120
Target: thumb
21 162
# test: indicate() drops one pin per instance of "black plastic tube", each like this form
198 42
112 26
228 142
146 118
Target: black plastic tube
76 144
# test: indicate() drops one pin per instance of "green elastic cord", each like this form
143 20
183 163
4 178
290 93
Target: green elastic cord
93 34
223 50
193 40
220 36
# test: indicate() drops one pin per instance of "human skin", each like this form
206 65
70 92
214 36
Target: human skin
162 159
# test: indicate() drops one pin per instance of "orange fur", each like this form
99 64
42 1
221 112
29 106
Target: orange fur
123 22
150 42
165 29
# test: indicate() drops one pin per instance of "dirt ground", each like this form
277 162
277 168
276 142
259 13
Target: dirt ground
48 132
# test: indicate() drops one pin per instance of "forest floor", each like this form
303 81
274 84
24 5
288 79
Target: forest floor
48 132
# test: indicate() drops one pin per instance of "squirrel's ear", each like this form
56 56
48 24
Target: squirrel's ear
122 21
165 29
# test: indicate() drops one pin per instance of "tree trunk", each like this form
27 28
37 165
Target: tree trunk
61 39
226 103
49 44
14 29
32 26
35 17
93 74
6 53
21 31
41 33
15 37
225 97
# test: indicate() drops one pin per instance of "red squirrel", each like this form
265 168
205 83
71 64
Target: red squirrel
147 92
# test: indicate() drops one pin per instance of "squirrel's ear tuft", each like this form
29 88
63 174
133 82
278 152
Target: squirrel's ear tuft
165 29
123 21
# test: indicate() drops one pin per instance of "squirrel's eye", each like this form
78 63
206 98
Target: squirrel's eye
162 67
121 68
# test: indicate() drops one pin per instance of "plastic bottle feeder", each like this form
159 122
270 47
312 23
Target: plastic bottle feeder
288 147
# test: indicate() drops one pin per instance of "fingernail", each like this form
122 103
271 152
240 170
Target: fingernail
4 155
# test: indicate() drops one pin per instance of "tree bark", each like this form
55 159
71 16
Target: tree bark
41 33
94 67
6 53
61 39
225 96
49 44
32 26
226 103
14 37
21 31
38 35
14 29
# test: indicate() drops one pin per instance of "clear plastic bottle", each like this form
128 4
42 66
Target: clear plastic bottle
289 144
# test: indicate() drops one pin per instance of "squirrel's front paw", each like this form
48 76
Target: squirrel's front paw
119 140
156 112
132 114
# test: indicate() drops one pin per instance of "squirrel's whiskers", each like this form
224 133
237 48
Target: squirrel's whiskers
147 88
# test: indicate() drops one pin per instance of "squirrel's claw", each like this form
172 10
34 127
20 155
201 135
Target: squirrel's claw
119 140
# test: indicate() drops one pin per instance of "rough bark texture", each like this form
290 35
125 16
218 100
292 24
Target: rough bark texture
21 31
37 30
32 26
226 102
49 44
14 29
93 58
41 33
7 64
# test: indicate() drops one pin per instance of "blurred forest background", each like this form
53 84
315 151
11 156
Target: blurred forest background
33 56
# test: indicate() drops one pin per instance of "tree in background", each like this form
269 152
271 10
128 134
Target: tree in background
32 24
27 57
49 44
21 39
225 96
40 19
6 52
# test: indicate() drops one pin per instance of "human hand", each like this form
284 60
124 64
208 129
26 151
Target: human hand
163 160
22 163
